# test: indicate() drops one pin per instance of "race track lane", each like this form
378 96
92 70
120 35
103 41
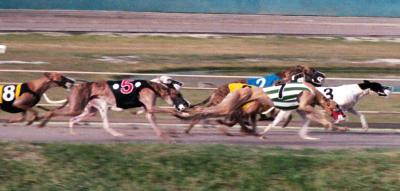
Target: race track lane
286 138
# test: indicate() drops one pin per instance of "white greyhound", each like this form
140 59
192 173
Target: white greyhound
346 96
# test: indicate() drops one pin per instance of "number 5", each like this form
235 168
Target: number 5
126 87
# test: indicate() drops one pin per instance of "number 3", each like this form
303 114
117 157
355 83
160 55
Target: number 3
126 87
328 92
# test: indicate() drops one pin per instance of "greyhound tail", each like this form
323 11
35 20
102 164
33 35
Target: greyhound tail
48 100
201 103
43 108
188 116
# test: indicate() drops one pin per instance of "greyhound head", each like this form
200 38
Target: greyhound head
173 95
331 107
315 77
375 87
59 80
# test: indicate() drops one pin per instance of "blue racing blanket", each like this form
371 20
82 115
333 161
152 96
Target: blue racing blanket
266 81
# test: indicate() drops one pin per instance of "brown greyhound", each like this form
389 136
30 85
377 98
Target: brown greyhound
293 74
308 73
20 98
252 100
87 98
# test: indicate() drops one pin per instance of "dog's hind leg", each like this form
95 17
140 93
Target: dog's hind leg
89 111
281 116
191 125
101 106
21 118
77 101
303 133
363 121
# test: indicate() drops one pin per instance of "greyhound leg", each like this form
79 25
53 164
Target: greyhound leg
281 115
65 111
192 124
303 133
364 123
101 106
253 119
26 109
21 118
34 117
87 112
151 118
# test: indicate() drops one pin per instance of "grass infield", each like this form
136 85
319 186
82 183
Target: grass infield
229 55
26 166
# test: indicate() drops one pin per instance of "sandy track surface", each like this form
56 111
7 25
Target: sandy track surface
287 138
114 21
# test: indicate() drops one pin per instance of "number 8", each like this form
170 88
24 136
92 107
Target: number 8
8 93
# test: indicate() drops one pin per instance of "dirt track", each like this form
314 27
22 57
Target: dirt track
287 138
114 21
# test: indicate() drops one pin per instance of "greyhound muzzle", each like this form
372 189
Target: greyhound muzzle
386 91
66 82
181 104
338 115
318 79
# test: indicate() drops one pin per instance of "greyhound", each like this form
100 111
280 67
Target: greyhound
21 98
258 99
298 73
347 96
87 98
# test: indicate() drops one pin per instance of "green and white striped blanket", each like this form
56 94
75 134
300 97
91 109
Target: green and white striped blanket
285 96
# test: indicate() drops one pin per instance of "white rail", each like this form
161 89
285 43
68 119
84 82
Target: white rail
172 75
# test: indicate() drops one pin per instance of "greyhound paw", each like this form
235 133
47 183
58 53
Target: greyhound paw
41 125
187 131
310 138
73 133
29 122
342 129
171 141
117 134
263 137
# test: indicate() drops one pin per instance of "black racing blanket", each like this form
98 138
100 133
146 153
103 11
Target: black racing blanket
126 92
10 92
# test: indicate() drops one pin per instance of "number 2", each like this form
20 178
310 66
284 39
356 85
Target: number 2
328 92
260 82
126 87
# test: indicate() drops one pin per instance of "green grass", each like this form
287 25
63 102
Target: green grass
193 167
226 55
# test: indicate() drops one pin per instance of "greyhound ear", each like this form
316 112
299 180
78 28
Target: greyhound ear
47 74
367 82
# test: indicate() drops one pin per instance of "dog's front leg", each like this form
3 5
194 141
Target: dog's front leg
165 137
364 123
101 106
